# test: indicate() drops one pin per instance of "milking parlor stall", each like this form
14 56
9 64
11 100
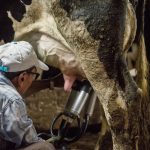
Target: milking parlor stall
95 95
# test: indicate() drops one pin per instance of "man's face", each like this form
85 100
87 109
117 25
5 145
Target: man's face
25 80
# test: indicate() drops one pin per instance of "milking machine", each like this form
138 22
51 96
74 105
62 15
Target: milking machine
79 109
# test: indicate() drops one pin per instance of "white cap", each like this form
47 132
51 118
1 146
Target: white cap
19 56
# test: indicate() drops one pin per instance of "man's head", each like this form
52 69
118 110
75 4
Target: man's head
19 63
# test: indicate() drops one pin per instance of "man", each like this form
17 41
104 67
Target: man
18 69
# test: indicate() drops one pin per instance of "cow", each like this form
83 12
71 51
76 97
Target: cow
91 39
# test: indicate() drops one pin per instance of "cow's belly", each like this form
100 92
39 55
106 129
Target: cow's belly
50 38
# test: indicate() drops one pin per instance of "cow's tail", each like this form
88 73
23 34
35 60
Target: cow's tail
142 63
142 68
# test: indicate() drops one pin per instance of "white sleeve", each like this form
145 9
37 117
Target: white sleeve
17 127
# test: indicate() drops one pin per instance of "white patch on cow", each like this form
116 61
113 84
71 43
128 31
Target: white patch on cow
121 103
40 29
53 52
132 56
133 72
130 27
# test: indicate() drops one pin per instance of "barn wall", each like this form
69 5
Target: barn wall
44 105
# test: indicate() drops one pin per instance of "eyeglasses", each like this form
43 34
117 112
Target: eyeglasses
36 75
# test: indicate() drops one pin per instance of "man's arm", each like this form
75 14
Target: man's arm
17 127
